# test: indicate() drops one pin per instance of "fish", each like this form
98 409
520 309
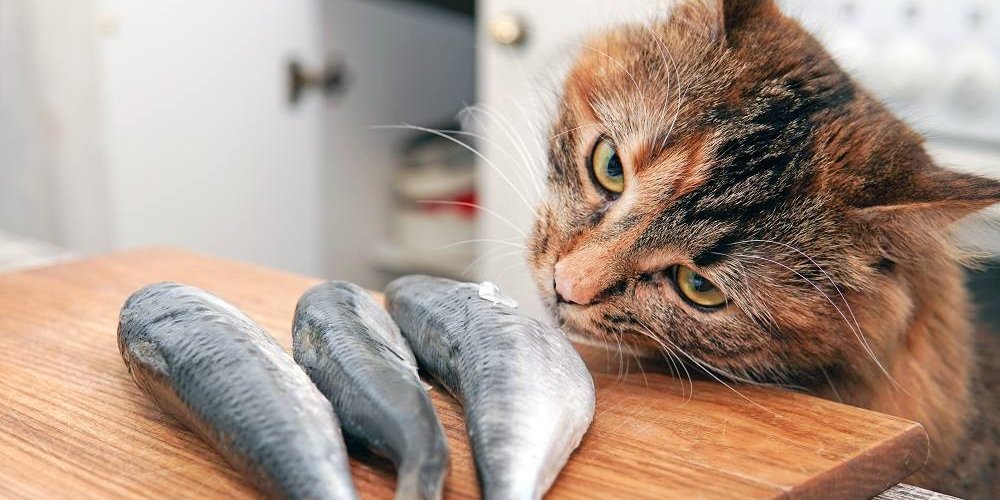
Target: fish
353 351
527 396
211 367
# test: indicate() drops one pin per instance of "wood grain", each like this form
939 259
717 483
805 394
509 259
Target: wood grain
73 422
907 492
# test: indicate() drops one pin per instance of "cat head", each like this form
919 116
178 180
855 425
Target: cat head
720 188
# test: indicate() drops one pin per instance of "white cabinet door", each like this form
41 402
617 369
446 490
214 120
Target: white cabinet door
518 84
203 149
205 152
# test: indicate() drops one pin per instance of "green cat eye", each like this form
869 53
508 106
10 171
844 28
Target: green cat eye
607 166
697 289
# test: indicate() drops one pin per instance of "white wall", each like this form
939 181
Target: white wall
22 188
52 182
203 150
131 123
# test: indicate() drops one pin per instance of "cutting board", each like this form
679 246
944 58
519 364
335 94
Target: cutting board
72 422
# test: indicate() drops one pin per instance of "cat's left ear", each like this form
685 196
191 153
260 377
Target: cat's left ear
934 197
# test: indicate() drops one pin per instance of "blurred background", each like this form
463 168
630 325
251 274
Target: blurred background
356 138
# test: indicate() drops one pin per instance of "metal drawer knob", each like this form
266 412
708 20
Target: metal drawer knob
507 30
329 80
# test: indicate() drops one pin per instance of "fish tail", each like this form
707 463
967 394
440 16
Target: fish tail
408 485
420 481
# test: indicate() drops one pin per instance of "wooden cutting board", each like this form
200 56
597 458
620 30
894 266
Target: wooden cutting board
73 423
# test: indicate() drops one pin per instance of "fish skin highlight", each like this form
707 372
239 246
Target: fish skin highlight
527 395
354 352
210 366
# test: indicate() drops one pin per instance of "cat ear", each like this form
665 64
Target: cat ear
934 195
723 18
913 217
737 13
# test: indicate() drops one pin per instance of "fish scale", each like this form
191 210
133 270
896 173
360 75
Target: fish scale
527 395
214 369
355 354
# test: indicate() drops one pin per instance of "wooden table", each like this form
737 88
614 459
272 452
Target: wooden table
73 423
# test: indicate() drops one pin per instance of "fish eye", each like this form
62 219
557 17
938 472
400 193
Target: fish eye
607 166
696 289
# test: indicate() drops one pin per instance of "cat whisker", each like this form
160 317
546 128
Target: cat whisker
509 268
477 207
828 277
678 366
830 382
666 350
492 254
602 340
507 129
762 313
574 129
474 151
864 344
638 363
533 163
504 151
710 370
635 83
669 355
479 137
621 359
482 240
536 135
665 55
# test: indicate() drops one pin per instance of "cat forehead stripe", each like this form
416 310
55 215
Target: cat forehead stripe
763 155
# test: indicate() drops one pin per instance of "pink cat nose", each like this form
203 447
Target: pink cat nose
570 284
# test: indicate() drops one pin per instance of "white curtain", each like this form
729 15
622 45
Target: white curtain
52 182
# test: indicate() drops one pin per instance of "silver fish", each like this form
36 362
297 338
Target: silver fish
211 367
353 351
528 396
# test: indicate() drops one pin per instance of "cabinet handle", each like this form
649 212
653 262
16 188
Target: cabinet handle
507 29
330 79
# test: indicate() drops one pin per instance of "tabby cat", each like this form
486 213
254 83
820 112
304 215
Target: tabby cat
719 187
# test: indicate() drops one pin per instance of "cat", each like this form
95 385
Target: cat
718 187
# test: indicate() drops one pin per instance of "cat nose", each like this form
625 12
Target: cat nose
571 285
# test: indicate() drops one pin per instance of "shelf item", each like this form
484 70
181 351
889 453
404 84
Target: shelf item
434 214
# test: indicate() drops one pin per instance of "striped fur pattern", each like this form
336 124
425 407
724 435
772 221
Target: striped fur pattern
752 158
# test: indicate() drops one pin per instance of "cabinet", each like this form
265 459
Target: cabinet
205 151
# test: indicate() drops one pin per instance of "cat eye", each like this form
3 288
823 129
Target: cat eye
696 289
607 166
